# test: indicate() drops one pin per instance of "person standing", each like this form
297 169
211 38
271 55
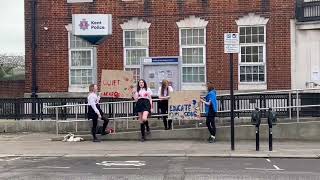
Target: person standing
211 107
143 106
95 112
163 94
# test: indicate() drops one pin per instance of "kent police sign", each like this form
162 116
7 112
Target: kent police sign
91 24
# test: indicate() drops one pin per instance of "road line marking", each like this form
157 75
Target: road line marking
13 159
276 167
197 168
122 168
53 167
268 160
264 169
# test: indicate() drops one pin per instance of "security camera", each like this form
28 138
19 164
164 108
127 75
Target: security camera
45 28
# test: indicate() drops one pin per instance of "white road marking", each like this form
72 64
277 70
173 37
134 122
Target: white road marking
122 163
265 169
52 167
123 168
196 168
276 167
268 160
13 159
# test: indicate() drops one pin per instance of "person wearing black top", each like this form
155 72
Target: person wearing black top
95 112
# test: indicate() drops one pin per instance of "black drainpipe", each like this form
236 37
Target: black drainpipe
34 60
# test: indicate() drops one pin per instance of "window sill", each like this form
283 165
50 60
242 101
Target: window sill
78 89
252 86
78 1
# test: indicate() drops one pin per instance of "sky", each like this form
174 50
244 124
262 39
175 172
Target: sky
12 27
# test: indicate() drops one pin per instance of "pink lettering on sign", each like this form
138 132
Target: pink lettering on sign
111 82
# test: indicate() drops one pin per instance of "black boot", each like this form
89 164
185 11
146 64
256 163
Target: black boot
165 123
147 126
93 132
170 124
142 128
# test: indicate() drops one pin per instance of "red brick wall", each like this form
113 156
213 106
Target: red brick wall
11 89
52 51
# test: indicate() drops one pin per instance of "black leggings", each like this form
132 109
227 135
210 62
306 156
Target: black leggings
95 124
210 122
164 110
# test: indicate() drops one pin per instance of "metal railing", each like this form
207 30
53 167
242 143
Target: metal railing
308 10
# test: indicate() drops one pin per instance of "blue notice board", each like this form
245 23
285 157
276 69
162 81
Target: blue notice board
155 69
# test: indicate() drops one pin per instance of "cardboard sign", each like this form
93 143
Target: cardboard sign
184 105
116 84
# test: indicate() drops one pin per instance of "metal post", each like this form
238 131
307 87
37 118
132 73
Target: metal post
57 117
270 138
33 57
257 139
114 118
297 104
232 101
127 115
290 104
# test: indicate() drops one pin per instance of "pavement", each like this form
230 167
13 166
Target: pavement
41 144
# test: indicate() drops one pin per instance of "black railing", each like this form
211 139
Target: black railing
308 10
21 108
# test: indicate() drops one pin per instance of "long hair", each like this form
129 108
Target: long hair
91 87
164 86
144 86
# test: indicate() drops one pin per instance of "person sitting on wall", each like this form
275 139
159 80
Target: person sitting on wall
163 93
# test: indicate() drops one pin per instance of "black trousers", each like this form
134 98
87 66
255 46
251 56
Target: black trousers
163 105
210 122
93 115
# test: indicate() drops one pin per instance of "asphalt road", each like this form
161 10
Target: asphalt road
156 168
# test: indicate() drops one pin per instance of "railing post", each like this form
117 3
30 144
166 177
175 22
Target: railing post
114 118
297 104
57 117
289 109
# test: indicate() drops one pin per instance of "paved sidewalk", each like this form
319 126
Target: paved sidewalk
35 144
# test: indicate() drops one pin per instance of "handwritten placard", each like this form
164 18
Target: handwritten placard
184 105
116 84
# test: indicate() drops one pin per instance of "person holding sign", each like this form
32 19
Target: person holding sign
95 112
143 106
211 107
163 94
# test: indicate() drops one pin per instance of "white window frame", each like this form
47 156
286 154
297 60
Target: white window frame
189 85
135 25
253 63
74 87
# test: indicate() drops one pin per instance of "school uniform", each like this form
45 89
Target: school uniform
143 98
93 113
163 106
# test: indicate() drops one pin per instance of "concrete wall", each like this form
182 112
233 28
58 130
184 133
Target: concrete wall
284 131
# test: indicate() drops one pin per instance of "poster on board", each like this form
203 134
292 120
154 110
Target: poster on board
117 84
184 105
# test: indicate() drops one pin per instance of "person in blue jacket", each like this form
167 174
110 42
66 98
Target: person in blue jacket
211 107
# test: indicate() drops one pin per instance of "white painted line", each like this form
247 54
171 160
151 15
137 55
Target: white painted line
268 160
123 168
264 169
14 159
276 167
197 168
52 167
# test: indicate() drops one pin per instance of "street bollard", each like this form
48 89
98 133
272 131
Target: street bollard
256 121
272 119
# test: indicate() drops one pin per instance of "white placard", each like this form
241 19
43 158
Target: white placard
231 38
91 24
231 48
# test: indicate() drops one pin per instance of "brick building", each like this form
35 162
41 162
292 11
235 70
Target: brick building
192 29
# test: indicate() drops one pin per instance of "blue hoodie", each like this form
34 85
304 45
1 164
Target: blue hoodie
212 95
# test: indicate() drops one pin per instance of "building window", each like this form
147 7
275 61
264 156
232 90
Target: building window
81 62
192 51
135 45
252 54
135 49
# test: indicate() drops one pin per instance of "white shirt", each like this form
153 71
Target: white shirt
165 93
93 99
143 93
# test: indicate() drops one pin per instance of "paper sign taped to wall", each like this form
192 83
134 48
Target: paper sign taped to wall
116 84
184 105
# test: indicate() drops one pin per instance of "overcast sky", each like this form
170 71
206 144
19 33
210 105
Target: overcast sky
12 27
